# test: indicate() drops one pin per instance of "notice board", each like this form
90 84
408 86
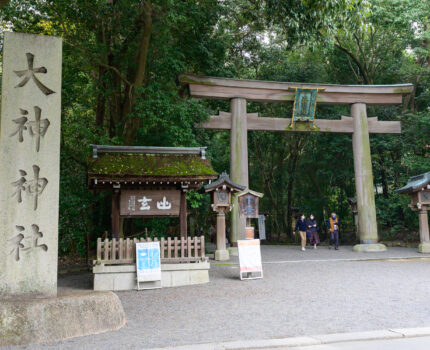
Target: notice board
148 264
250 259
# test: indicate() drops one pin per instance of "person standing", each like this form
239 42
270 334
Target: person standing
333 225
312 228
302 227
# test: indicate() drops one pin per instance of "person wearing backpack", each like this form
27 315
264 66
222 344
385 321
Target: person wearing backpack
333 225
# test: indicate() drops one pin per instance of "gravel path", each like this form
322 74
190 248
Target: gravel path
311 297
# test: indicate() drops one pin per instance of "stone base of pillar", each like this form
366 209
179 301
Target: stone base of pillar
233 251
222 255
369 248
424 248
29 321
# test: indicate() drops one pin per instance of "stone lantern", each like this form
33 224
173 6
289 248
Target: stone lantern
418 187
221 191
248 208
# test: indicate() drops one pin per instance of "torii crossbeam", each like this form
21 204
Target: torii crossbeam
238 121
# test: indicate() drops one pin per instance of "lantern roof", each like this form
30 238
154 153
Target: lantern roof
224 180
248 191
416 183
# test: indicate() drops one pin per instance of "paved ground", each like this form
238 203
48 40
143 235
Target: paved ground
327 292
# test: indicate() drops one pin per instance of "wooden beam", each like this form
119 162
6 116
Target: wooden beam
344 125
183 214
267 91
115 214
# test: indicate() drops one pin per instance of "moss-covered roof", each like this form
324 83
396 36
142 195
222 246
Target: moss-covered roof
150 165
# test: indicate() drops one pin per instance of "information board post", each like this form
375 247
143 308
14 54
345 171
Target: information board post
261 227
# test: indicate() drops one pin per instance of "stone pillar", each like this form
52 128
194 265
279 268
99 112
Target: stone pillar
367 227
30 127
424 246
238 162
221 252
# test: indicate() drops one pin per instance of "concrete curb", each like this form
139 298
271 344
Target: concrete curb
420 257
385 334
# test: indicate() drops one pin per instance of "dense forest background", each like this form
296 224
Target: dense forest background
121 60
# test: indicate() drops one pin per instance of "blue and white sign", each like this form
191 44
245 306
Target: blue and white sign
148 264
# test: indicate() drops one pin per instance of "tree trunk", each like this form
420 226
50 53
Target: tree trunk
101 100
133 123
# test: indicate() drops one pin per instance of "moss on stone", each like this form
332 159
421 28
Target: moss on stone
149 165
405 90
302 126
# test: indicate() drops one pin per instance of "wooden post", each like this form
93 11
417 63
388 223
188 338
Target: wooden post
367 227
424 246
115 214
221 252
238 162
121 227
183 214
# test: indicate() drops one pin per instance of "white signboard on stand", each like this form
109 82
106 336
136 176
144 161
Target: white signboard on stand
250 259
148 265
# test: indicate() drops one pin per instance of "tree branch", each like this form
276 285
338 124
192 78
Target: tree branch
354 58
76 44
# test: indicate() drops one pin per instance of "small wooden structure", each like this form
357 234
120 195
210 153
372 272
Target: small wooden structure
221 191
148 181
418 187
248 208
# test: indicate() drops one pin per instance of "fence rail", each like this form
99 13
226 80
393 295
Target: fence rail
176 250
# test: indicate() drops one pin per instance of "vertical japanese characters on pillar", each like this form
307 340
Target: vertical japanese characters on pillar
29 154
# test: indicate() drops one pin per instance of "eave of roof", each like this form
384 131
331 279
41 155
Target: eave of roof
224 179
415 183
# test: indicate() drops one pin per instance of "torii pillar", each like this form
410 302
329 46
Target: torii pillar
367 227
238 162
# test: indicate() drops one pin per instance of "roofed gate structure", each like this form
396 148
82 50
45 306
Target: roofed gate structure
238 121
148 181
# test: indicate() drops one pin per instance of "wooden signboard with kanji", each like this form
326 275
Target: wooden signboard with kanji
150 202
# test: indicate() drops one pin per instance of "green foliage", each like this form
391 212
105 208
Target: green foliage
106 100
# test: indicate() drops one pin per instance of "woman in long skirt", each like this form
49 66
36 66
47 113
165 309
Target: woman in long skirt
312 228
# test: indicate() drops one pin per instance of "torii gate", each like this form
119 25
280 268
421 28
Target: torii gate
238 121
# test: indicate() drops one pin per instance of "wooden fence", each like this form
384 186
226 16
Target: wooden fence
176 250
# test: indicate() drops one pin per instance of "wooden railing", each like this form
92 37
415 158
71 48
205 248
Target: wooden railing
176 250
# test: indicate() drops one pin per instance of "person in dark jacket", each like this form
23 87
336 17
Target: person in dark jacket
312 228
333 225
302 227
